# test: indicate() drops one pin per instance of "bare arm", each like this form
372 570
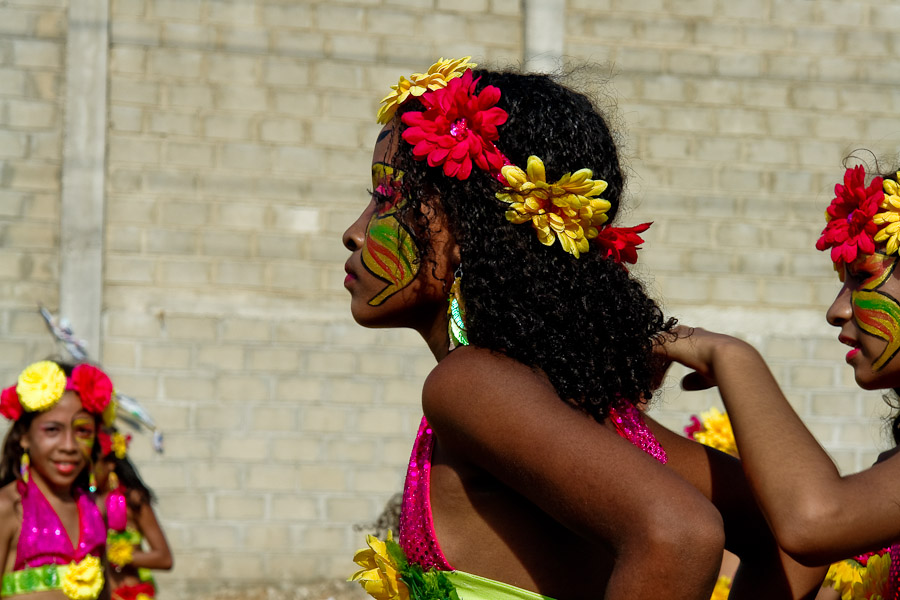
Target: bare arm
159 556
816 515
506 419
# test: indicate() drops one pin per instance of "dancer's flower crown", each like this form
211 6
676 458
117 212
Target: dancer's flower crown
861 218
458 128
42 384
113 442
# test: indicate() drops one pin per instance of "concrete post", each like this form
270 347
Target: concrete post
83 169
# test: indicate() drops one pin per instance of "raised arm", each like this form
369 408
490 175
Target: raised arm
817 515
506 419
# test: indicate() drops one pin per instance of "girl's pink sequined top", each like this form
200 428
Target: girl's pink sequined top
43 539
417 537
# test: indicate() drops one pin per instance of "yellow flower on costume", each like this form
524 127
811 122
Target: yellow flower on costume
722 589
874 579
418 83
41 385
120 552
843 575
889 220
379 575
568 210
717 432
83 580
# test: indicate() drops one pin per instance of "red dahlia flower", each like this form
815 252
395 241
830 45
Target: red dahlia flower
850 229
93 386
457 128
9 404
621 243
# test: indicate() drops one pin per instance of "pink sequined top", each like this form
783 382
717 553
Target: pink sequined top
43 539
417 536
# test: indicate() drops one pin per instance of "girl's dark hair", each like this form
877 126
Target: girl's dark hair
584 322
139 493
11 461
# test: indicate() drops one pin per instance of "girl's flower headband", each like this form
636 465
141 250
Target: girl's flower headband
41 385
861 217
457 130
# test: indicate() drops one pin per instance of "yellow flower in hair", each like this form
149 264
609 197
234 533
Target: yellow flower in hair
889 220
568 210
119 445
83 580
41 385
379 575
120 552
717 432
109 413
418 83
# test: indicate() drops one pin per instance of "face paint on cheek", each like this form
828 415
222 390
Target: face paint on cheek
389 252
85 435
879 315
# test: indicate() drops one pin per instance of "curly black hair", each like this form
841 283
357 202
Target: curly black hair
585 322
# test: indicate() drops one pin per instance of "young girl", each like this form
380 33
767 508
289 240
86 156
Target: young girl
52 536
533 474
816 514
126 502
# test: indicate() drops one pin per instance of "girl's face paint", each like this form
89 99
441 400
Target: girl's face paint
59 442
388 250
876 311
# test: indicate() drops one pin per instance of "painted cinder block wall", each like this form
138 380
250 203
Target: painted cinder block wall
237 150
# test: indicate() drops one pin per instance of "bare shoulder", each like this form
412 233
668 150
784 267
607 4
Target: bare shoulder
10 502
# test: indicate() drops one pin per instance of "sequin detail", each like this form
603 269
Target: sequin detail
417 536
893 584
43 539
630 425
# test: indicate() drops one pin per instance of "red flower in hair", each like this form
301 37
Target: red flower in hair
850 229
93 386
621 243
693 428
9 404
457 128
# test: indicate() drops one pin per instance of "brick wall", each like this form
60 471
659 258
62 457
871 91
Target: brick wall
239 144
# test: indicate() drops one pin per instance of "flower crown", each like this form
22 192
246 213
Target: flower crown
113 442
457 130
861 217
42 384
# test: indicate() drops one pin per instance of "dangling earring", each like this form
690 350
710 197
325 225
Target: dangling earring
92 479
456 327
113 482
24 466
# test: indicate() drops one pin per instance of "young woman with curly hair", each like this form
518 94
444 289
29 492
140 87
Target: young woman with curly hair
534 473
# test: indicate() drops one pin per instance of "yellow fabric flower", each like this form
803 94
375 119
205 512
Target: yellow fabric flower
889 220
83 580
874 578
437 77
843 575
120 552
379 575
717 432
142 597
568 210
41 385
119 445
722 589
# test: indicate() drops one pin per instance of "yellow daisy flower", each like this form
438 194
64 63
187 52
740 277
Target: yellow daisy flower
874 579
83 580
843 575
889 220
379 575
717 432
568 210
41 385
120 552
437 77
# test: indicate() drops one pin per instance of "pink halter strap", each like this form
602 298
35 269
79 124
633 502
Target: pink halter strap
417 536
43 539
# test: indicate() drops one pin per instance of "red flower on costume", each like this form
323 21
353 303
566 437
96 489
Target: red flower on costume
9 404
132 592
93 386
621 243
850 229
457 128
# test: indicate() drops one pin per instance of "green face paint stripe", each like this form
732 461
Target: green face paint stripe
390 255
878 315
